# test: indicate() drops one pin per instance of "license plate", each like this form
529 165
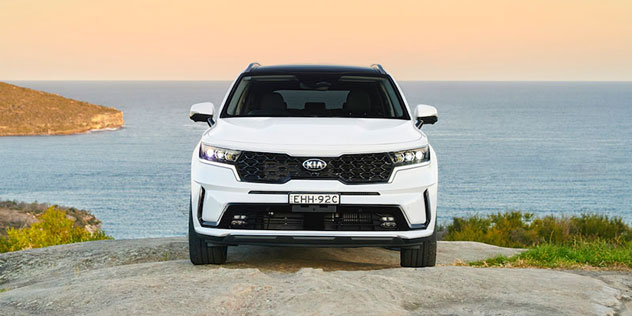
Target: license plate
314 198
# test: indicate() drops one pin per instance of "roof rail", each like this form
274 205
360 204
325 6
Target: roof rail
379 68
252 66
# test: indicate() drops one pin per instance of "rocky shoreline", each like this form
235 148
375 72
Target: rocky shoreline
27 112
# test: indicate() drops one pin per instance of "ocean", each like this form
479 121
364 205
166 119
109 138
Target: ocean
542 147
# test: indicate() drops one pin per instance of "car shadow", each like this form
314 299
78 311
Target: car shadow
292 259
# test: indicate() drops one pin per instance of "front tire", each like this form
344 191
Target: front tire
424 255
200 252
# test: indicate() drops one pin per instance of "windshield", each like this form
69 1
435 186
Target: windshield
315 95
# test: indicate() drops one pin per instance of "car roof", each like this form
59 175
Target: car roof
255 69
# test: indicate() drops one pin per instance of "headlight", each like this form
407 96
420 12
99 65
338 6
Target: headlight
412 156
222 155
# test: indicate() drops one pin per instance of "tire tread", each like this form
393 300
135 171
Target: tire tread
424 255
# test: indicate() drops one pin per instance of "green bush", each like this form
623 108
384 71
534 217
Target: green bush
555 242
53 229
517 229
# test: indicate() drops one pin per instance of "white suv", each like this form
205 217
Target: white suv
324 156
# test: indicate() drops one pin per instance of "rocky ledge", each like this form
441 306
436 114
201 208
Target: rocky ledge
154 277
25 111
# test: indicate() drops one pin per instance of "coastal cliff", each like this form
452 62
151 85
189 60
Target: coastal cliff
26 111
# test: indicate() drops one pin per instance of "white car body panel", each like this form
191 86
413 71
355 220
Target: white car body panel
325 137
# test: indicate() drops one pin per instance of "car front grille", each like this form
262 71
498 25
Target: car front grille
280 168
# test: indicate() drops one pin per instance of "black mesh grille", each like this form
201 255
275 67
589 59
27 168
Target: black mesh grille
342 218
280 168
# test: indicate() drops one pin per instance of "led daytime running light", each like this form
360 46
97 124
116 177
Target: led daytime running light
218 154
412 156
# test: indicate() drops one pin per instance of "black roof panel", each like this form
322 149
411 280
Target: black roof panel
293 69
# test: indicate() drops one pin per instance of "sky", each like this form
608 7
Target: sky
413 40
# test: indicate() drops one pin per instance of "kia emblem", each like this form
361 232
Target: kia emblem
314 164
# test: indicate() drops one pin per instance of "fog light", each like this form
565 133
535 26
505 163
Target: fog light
238 223
239 220
389 225
388 222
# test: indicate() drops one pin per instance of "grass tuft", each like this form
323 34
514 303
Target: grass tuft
583 241
598 254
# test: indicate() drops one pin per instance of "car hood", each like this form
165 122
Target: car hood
311 136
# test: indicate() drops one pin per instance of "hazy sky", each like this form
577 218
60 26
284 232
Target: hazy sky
425 40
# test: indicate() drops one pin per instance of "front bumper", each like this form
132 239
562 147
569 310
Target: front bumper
413 189
314 241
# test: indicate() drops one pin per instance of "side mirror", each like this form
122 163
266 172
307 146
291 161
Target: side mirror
202 112
425 114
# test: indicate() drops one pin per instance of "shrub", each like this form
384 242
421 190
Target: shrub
517 229
53 229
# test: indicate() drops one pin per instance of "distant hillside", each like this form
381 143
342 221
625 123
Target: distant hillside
25 111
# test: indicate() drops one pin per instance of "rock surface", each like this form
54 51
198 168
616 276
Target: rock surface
25 111
153 276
